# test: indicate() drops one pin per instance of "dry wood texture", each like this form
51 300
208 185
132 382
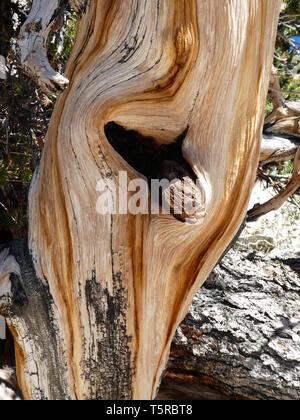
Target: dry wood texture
276 202
33 42
284 120
117 286
278 149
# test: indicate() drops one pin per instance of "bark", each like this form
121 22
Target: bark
240 339
185 81
27 305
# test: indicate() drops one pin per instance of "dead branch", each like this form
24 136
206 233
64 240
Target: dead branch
276 202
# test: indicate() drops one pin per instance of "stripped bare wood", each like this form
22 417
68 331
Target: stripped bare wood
277 149
33 42
276 202
284 120
117 286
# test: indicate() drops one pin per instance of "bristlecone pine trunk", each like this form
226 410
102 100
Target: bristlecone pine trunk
93 301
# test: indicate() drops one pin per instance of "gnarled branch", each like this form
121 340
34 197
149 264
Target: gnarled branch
43 17
277 149
276 202
284 120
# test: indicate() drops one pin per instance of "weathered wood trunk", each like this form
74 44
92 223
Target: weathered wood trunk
94 315
240 339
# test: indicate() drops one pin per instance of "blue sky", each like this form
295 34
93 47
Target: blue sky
297 39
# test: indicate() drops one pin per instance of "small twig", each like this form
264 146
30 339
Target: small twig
277 176
295 202
289 16
7 211
3 206
289 42
17 181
